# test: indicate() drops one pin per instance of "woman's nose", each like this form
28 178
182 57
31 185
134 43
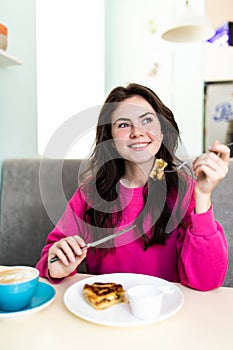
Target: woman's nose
136 131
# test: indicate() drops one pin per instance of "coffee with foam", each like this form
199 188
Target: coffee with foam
16 275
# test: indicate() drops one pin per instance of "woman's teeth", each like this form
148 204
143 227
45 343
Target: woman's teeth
139 145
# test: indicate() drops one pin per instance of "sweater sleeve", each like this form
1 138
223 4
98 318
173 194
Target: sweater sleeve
202 251
70 224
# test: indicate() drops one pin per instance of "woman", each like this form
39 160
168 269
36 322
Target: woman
176 236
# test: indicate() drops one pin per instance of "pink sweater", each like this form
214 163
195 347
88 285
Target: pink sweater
196 256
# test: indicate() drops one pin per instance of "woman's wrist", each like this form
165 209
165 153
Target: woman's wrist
202 202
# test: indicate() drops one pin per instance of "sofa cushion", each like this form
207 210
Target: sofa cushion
25 223
222 199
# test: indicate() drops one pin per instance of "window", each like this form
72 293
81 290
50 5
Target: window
70 70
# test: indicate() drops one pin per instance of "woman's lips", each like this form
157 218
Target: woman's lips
139 145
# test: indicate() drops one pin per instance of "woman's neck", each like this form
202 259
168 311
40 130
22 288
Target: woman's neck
136 175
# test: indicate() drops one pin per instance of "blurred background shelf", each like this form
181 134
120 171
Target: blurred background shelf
8 60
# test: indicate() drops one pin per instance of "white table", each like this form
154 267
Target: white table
204 322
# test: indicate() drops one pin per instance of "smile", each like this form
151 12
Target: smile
139 145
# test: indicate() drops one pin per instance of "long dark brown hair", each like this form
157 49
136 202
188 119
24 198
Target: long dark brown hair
107 168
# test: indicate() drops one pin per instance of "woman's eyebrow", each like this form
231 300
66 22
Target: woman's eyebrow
122 119
129 120
144 114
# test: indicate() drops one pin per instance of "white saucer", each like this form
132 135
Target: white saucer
43 297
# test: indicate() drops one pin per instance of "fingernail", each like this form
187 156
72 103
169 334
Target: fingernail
79 252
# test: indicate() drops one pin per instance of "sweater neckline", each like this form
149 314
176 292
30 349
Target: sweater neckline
131 191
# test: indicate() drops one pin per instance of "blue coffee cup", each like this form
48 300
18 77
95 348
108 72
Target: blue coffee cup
18 285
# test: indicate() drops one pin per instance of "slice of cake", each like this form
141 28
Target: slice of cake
157 171
103 295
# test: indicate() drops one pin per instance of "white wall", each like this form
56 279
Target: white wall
18 125
218 67
130 54
18 115
132 50
218 61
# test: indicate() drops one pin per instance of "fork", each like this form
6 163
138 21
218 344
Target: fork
188 160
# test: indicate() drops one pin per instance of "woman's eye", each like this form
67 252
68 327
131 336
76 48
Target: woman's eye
123 125
147 120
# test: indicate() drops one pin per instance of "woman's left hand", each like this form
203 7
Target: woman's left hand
210 168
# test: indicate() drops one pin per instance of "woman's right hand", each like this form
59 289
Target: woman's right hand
70 253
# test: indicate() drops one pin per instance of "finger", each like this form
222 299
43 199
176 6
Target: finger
207 172
80 241
75 243
221 150
56 252
214 170
61 258
210 160
64 250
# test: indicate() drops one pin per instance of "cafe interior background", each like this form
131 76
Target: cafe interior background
65 56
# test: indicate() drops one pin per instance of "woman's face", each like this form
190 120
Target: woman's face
136 130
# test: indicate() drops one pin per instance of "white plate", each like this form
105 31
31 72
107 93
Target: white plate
120 315
43 297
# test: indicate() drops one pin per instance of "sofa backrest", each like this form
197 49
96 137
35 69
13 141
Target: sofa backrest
222 199
25 223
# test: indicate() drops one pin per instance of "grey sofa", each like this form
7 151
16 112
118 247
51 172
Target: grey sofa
25 223
222 199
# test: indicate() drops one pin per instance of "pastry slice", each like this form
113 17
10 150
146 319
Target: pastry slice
103 295
157 171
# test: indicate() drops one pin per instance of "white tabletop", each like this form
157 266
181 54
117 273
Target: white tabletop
204 322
